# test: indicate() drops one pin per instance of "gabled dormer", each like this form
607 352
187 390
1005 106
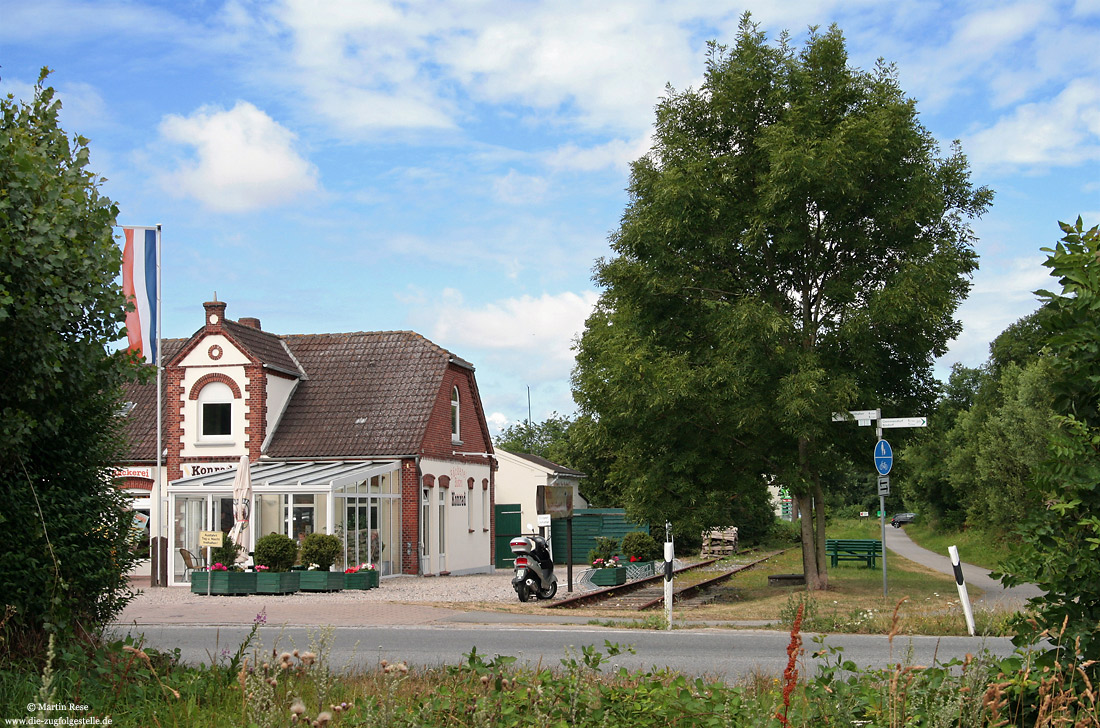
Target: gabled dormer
226 389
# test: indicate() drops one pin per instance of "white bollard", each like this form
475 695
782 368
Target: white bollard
669 554
956 564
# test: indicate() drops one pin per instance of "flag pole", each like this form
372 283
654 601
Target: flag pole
161 546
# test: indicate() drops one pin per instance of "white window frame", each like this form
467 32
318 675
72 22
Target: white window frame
456 416
215 393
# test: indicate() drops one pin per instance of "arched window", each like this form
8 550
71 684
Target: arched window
216 411
455 433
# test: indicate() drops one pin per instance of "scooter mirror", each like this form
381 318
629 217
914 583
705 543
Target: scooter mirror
530 527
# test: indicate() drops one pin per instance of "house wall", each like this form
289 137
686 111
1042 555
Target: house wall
467 542
518 481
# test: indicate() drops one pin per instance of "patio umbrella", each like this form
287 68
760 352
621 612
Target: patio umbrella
242 507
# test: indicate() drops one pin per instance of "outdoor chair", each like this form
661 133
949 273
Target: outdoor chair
190 563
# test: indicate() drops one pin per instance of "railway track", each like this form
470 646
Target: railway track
648 593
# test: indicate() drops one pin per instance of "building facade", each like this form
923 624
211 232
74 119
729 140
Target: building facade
377 437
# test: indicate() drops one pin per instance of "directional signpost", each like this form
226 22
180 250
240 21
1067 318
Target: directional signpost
884 460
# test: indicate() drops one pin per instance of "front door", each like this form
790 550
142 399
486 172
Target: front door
509 525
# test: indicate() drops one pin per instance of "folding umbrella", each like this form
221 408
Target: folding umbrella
242 508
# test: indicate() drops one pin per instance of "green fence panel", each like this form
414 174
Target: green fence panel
588 523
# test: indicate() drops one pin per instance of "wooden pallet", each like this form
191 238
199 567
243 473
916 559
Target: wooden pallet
720 542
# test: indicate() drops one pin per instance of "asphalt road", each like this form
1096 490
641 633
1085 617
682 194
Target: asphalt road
718 653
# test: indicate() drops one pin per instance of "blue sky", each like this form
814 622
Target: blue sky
455 168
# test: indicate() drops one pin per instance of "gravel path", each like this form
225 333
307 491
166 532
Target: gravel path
477 588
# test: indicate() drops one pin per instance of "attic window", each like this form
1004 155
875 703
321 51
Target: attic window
455 415
126 408
216 411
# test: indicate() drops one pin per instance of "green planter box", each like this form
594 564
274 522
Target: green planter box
223 583
321 580
358 580
277 583
372 579
609 577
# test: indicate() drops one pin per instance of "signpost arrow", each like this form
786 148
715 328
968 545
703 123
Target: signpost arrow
903 422
855 415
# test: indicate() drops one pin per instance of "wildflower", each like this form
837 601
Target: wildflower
261 567
297 707
324 718
308 658
261 618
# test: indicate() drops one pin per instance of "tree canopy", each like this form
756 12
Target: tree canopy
66 528
794 245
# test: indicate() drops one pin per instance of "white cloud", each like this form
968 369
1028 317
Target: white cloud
615 154
515 188
535 334
243 159
1064 130
1001 295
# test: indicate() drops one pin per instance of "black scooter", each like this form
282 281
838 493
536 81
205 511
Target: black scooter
534 570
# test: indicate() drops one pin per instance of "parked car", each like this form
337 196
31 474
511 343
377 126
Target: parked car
900 518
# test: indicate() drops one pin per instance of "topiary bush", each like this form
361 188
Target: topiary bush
640 546
321 549
277 552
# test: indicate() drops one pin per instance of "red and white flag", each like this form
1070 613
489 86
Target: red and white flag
140 260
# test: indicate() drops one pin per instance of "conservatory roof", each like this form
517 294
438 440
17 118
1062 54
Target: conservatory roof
285 476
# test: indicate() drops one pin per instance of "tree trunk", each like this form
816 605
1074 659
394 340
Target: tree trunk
822 582
809 552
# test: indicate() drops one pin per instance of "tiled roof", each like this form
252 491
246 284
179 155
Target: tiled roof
265 346
141 424
549 465
365 394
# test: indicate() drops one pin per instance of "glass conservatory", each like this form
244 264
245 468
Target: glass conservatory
358 501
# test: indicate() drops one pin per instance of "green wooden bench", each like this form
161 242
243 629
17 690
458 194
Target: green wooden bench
853 549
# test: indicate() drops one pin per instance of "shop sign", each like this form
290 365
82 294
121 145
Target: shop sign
192 469
134 472
557 500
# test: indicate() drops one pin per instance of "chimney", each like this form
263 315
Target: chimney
250 322
215 315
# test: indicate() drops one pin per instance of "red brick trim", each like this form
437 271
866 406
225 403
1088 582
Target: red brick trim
429 481
444 481
205 379
485 484
470 483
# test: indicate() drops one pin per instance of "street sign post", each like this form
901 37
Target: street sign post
884 460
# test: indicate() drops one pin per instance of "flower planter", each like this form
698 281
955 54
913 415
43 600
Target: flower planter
223 583
609 577
277 583
372 579
358 580
321 580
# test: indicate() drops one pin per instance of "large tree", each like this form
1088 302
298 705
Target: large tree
794 245
65 549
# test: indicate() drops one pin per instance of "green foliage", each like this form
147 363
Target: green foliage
641 546
66 546
748 300
546 439
321 549
606 549
140 687
226 554
1062 538
276 551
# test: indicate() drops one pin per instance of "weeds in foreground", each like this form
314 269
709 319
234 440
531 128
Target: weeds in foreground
268 688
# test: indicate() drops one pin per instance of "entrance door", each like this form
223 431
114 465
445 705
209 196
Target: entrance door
509 525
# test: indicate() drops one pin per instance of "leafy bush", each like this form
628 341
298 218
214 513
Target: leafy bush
606 549
321 549
277 552
640 546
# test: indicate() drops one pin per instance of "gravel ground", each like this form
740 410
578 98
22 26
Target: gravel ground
478 588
